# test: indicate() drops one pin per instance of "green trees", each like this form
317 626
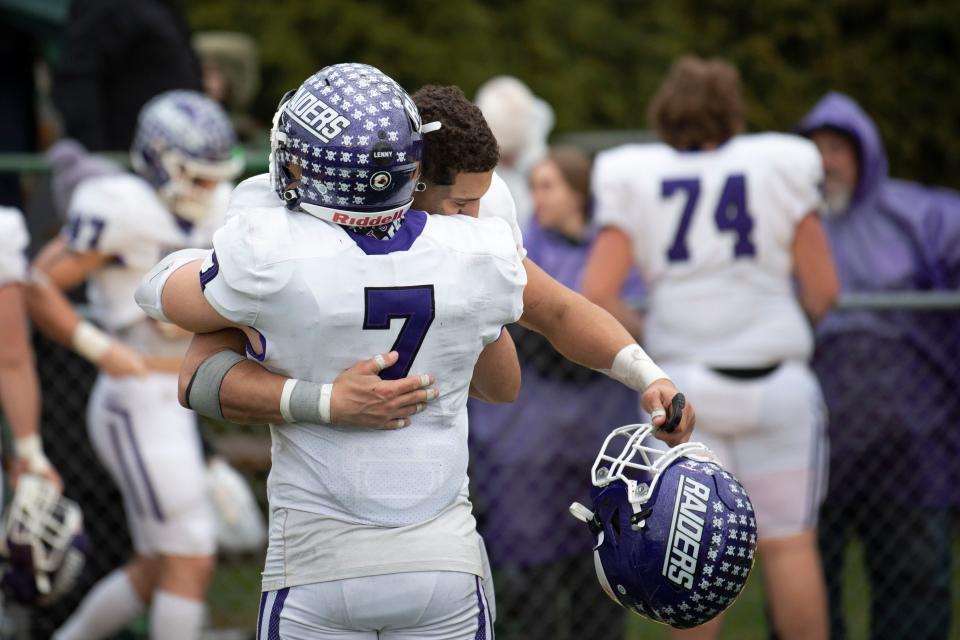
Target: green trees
599 61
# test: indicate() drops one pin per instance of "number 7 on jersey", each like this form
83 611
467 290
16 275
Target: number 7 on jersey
415 304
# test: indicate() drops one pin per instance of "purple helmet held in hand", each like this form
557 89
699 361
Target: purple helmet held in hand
675 533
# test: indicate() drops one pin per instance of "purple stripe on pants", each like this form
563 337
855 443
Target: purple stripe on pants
263 603
273 629
481 615
124 471
128 425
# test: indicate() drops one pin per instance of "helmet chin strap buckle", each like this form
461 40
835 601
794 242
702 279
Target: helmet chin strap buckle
583 514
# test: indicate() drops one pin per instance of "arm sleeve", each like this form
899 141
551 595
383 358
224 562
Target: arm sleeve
13 246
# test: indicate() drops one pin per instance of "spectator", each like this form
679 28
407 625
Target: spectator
116 56
532 454
720 223
520 122
890 380
231 76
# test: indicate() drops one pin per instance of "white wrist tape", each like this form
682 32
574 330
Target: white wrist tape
285 399
30 448
149 293
326 391
90 342
634 368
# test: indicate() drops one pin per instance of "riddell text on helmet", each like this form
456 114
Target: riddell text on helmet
686 531
349 220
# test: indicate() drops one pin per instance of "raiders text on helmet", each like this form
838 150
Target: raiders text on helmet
675 533
345 147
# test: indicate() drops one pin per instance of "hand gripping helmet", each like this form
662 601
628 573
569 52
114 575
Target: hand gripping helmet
345 147
43 546
183 145
675 533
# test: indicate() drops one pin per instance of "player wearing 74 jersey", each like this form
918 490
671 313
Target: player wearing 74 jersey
718 224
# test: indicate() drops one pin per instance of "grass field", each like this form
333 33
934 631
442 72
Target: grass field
235 592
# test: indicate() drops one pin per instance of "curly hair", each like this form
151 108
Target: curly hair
463 144
699 103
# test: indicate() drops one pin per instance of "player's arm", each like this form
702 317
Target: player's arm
249 394
217 380
19 388
608 268
58 268
814 267
496 376
589 335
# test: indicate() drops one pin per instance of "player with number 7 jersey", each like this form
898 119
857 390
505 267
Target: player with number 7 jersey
719 224
371 531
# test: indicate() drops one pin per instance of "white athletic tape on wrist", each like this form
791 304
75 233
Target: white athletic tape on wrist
30 449
149 293
90 342
288 387
634 368
326 391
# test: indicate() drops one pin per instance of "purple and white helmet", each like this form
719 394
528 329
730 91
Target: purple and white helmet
345 147
183 146
43 548
675 533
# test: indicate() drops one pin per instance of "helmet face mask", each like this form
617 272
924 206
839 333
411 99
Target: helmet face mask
675 533
183 146
44 547
346 146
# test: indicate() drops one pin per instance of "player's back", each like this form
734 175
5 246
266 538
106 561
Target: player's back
712 233
322 297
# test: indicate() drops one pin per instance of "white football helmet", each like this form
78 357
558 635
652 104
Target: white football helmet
43 545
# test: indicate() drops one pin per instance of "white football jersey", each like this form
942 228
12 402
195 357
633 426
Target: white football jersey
437 292
712 234
122 216
13 246
498 202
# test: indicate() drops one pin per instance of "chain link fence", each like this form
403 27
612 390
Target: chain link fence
890 368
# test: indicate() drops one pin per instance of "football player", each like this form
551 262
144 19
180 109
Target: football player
459 161
118 226
719 225
19 389
371 532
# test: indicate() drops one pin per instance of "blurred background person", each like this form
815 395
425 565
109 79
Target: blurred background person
118 226
231 75
521 122
720 223
115 56
893 458
531 454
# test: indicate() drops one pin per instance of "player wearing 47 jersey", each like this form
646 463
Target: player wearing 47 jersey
118 226
719 224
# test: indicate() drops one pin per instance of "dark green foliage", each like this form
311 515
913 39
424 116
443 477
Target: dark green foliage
598 62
